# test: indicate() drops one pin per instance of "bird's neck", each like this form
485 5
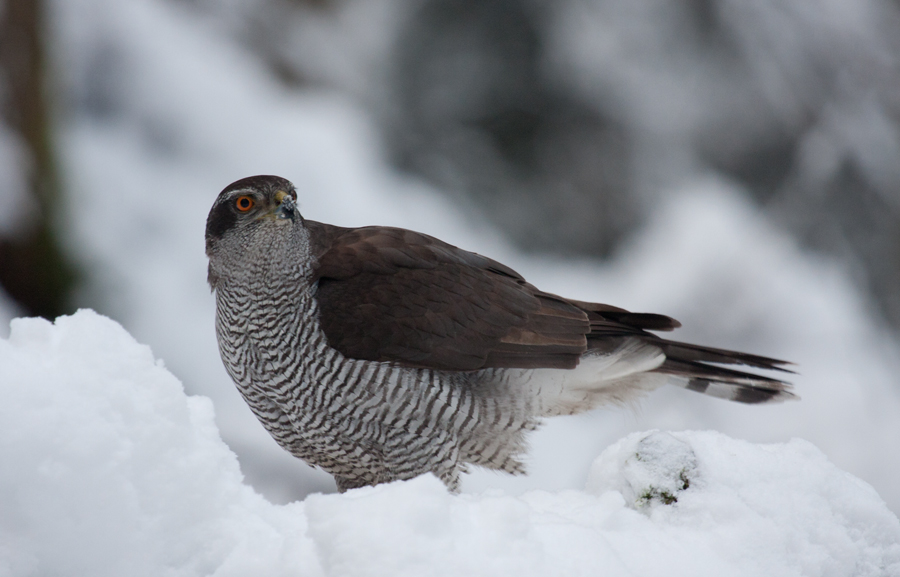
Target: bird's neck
265 302
259 264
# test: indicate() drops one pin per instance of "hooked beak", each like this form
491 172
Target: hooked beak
286 208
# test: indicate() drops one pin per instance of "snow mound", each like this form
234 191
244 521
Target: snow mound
110 469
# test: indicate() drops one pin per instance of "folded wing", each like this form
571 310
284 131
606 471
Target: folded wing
394 295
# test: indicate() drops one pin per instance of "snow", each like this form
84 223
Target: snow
112 470
163 110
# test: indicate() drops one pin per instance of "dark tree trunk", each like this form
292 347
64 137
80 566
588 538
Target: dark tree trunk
33 269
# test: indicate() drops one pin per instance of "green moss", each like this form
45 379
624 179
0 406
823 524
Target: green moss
661 495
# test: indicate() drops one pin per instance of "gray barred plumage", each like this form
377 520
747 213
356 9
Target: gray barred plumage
465 359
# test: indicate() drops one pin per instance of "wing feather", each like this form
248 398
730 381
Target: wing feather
394 295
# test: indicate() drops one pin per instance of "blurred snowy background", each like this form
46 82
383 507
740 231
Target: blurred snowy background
732 163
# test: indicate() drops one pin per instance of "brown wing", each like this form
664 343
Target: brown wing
389 294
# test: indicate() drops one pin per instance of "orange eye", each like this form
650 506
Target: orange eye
244 203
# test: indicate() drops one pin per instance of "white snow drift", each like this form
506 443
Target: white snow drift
110 469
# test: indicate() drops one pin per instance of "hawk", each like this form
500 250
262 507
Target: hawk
380 353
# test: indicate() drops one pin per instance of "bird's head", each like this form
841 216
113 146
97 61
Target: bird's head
254 224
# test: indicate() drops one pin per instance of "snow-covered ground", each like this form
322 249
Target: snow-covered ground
110 469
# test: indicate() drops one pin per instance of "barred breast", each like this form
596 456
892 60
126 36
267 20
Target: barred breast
364 422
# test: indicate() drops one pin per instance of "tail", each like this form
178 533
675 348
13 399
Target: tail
619 370
690 366
693 367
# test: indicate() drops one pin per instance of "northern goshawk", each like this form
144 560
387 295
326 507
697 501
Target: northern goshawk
380 353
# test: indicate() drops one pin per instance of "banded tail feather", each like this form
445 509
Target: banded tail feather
689 364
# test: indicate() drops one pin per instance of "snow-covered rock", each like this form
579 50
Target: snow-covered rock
108 468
